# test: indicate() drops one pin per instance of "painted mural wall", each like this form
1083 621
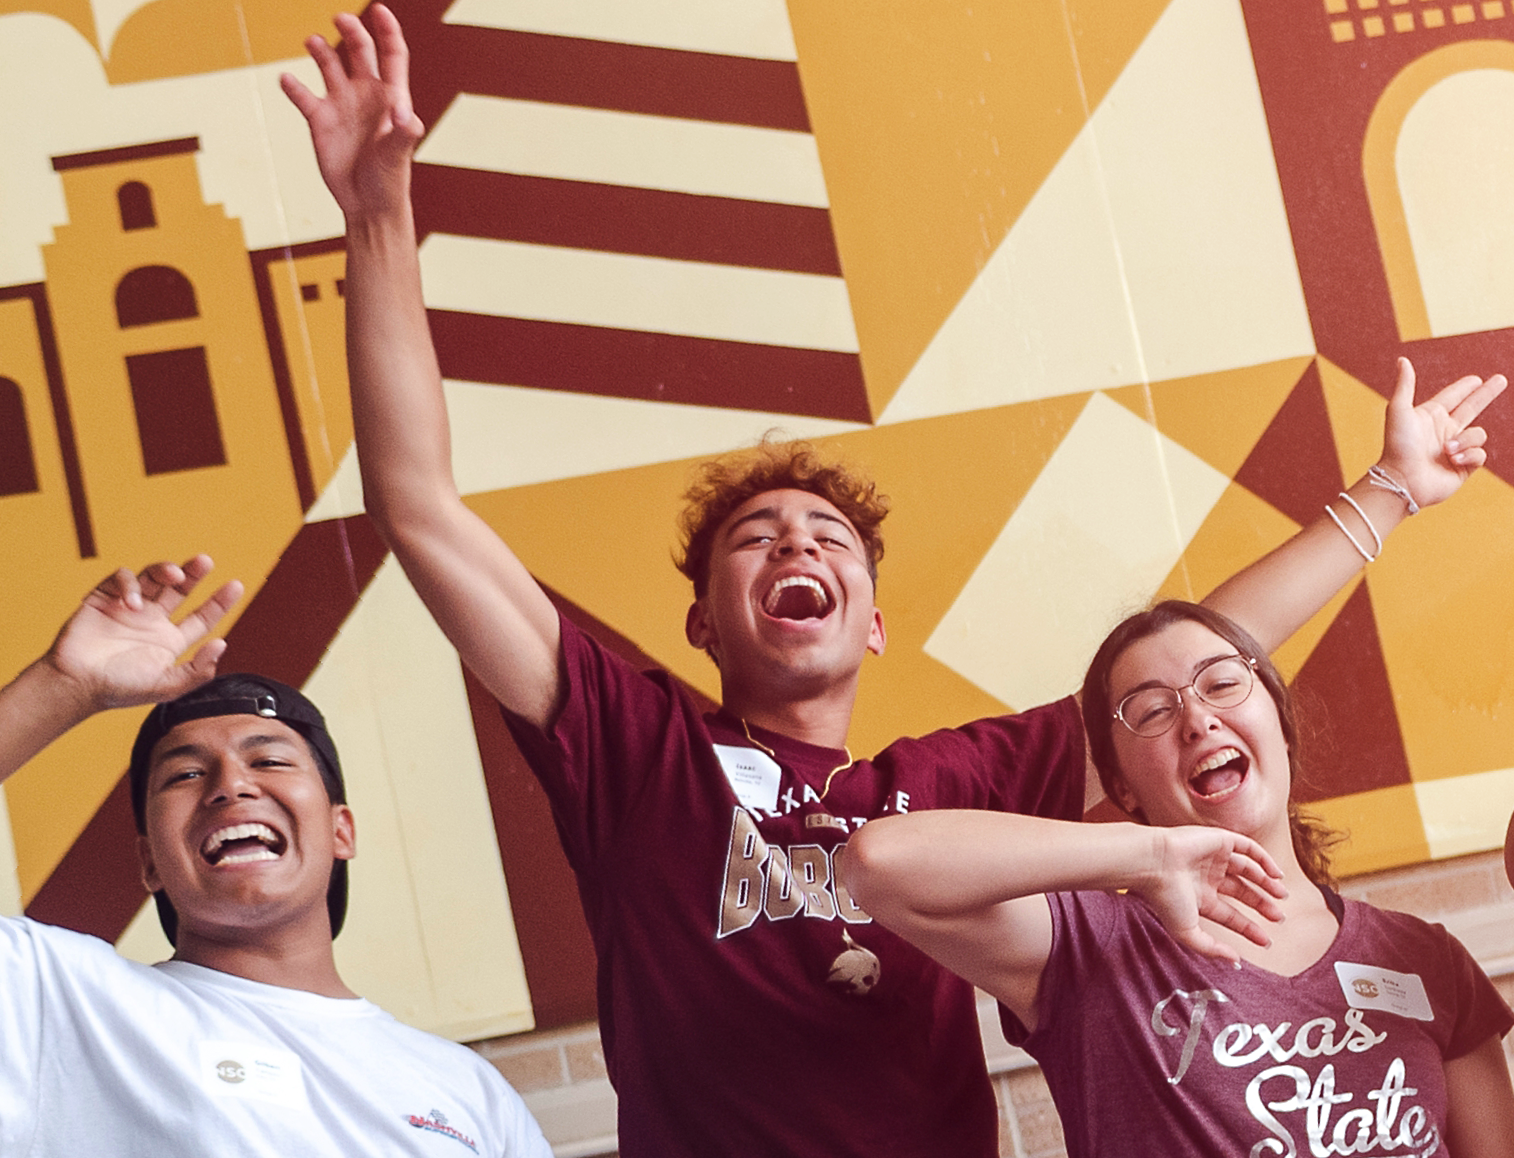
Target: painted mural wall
1107 294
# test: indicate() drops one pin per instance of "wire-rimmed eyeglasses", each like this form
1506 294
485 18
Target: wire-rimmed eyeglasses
1223 682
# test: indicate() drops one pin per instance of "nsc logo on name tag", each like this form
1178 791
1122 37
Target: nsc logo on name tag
240 1069
1372 987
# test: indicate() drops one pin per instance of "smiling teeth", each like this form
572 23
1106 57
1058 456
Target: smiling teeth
1219 759
797 581
254 831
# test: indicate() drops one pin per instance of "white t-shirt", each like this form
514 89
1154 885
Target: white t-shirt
101 1054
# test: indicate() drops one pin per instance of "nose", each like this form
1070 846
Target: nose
796 541
230 780
1198 717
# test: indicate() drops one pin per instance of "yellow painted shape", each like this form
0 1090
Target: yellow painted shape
315 337
1239 530
1220 417
1441 597
242 513
1379 164
936 124
1383 827
1356 417
955 481
604 541
78 13
153 43
1444 576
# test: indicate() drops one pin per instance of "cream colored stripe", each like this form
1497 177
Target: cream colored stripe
547 283
512 436
1465 814
10 883
731 27
615 148
1102 526
430 936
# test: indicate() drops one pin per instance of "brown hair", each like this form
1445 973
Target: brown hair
724 483
1312 839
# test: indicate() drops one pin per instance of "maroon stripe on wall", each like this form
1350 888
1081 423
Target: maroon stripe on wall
449 59
555 946
656 367
97 887
619 219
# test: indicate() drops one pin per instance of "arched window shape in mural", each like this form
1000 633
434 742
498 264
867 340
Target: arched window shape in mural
154 293
176 410
18 467
1438 155
134 199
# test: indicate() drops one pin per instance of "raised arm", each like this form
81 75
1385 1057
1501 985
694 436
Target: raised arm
120 648
365 132
968 887
1429 450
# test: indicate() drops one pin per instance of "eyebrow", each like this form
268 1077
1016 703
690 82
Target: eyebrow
259 740
1141 687
772 513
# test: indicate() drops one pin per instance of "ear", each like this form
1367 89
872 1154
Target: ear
699 631
344 832
877 636
150 879
1125 798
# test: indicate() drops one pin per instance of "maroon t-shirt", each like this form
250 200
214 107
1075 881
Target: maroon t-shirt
1152 1049
747 1005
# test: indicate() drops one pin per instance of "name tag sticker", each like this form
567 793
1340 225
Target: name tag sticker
753 775
1372 987
239 1069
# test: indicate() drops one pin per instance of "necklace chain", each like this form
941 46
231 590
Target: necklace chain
850 759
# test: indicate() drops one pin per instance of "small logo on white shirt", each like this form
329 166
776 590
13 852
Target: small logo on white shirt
436 1123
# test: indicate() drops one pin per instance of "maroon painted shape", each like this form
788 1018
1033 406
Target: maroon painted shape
283 633
1318 97
303 603
1351 739
620 219
145 152
655 367
63 422
175 407
97 887
1294 465
447 59
555 946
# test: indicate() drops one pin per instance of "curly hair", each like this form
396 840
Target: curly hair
1312 838
724 483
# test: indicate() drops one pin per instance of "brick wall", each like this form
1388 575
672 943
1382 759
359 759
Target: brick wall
561 1073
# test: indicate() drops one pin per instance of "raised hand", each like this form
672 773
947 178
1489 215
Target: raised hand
1431 448
1198 869
364 128
122 646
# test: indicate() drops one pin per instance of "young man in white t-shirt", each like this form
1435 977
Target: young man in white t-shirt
247 1039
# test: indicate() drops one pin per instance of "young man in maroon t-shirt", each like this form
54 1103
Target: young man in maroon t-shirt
747 1005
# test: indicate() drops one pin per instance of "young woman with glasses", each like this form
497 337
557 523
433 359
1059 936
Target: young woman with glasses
1191 984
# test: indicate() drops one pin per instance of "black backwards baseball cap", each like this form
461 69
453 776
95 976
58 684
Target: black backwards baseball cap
241 695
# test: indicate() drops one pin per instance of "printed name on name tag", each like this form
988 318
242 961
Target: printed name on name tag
1372 987
753 775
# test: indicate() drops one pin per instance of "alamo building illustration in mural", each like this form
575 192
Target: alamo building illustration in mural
149 377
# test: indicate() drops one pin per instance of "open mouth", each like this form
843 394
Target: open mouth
798 597
1219 774
242 843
